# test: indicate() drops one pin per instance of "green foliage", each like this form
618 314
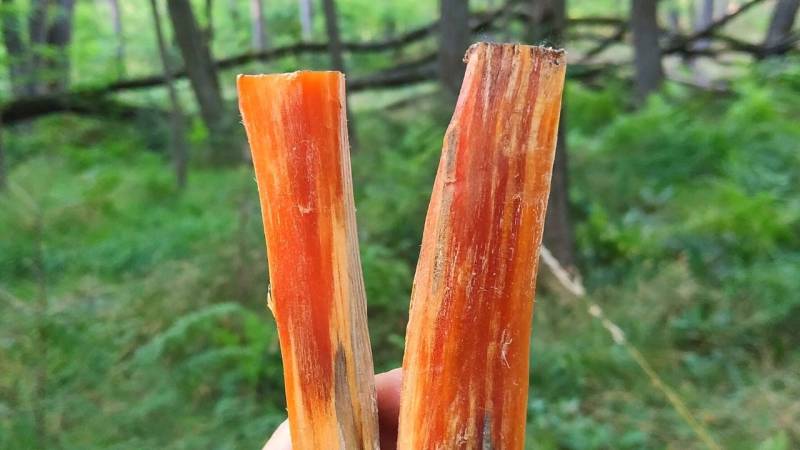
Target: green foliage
132 315
149 303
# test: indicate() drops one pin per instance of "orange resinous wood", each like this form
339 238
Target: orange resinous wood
297 131
467 345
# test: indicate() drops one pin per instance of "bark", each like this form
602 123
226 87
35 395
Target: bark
548 24
336 52
454 36
466 362
780 26
177 131
116 22
649 72
202 75
306 19
259 38
59 36
18 70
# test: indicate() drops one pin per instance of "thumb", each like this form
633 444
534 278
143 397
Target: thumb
280 440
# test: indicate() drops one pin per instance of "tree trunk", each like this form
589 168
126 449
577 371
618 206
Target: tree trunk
18 70
646 49
259 38
202 76
59 36
336 52
721 9
674 21
306 19
178 135
37 38
548 24
559 235
780 26
548 21
116 21
454 36
334 38
704 17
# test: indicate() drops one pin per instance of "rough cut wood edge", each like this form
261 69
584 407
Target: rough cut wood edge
297 131
467 345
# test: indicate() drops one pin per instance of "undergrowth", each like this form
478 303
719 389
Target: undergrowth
133 316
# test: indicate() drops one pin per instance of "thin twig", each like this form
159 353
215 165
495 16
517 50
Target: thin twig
575 288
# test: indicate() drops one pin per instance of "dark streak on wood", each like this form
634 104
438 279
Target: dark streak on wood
487 432
348 429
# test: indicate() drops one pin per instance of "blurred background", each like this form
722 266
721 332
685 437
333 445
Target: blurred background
132 261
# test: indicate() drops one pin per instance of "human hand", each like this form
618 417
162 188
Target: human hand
387 388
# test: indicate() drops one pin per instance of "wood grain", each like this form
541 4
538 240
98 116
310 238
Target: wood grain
467 345
297 131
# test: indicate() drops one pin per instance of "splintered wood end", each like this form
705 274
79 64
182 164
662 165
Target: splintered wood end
556 56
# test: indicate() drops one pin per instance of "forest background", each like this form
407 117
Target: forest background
132 268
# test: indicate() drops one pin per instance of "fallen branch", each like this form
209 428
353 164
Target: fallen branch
601 46
758 50
420 70
88 103
92 102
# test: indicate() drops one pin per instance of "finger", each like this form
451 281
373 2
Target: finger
387 388
280 440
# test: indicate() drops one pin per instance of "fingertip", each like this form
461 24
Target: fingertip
281 439
387 388
391 379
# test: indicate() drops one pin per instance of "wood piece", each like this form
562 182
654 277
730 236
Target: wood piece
296 127
465 368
